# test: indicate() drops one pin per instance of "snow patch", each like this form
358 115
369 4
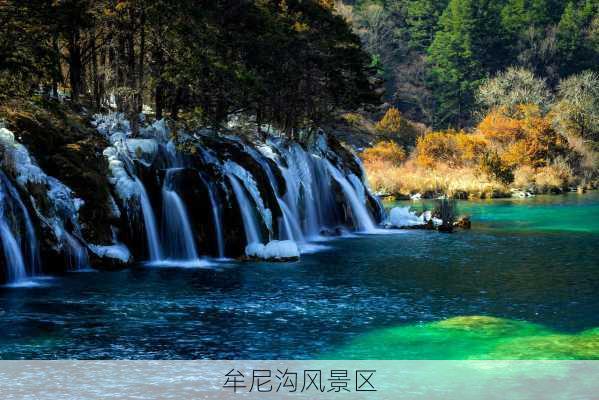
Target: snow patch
400 217
274 250
116 251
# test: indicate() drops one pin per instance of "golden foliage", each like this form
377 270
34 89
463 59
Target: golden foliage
519 149
394 125
499 127
526 137
449 147
385 151
391 122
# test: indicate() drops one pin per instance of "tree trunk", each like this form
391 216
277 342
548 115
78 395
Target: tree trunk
159 100
142 53
75 66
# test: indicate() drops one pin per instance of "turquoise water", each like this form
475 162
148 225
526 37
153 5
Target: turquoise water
560 214
523 283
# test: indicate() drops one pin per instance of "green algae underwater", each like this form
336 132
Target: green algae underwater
472 338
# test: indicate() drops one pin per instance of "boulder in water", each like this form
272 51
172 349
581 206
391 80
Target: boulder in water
276 250
113 257
463 223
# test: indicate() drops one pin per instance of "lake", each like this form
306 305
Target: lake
523 283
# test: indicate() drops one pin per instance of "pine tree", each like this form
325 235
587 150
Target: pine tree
467 46
421 20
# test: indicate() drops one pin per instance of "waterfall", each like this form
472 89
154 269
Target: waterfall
296 178
360 214
34 253
12 213
178 235
216 218
308 194
77 258
12 254
289 223
149 222
249 183
250 226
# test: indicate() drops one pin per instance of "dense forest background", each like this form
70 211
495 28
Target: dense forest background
483 97
287 63
435 54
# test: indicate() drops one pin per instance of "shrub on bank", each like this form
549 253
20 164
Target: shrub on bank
395 127
385 151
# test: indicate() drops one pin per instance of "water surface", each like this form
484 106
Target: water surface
527 269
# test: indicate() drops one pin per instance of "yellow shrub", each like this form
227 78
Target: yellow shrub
499 127
471 147
386 151
391 122
394 125
449 147
352 119
526 136
516 154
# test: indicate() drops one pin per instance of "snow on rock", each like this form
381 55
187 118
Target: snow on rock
158 130
60 206
117 251
267 151
123 150
125 186
145 150
107 124
401 217
280 250
255 250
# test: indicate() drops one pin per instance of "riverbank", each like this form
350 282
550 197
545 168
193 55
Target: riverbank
411 181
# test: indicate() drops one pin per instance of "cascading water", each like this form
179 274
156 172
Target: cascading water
178 236
12 254
216 218
309 207
308 195
13 213
250 225
150 223
77 258
31 242
362 218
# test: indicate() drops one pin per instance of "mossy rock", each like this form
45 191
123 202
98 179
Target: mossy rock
67 147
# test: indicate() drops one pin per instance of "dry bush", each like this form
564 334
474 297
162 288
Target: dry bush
386 151
456 149
554 176
497 126
395 126
524 177
410 178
